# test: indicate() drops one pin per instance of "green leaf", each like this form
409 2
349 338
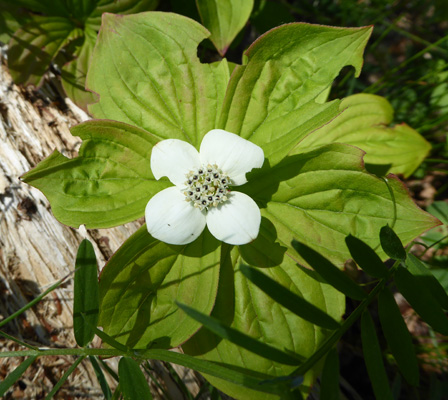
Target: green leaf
64 377
33 47
142 281
118 7
366 257
146 72
424 275
329 382
243 306
239 338
108 184
332 275
271 99
15 375
440 210
373 359
288 299
320 197
101 378
364 122
47 7
85 293
133 384
391 244
74 73
421 300
398 337
224 19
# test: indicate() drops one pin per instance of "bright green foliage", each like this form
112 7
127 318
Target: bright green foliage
146 73
162 87
142 281
271 99
85 294
364 122
36 44
243 306
224 19
320 197
108 184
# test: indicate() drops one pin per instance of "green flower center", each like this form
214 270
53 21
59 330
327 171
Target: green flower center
206 187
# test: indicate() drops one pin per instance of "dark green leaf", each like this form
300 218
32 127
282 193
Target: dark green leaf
34 46
85 293
391 244
239 338
398 337
329 382
101 378
366 257
421 300
329 272
133 383
424 275
374 359
15 375
296 304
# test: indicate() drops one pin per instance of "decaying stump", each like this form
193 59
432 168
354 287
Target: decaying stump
35 249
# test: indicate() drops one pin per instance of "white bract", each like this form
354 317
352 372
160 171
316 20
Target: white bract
201 195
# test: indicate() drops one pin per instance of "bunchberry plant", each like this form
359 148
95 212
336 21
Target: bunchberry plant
257 156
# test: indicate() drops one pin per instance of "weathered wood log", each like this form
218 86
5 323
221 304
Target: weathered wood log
35 249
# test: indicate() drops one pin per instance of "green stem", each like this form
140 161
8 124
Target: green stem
336 335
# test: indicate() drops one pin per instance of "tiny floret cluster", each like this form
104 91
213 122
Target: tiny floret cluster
202 195
206 187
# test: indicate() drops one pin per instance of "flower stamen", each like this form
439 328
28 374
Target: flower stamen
206 187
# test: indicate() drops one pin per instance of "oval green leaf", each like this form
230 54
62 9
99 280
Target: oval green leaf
86 299
364 123
398 337
421 300
133 384
366 257
391 244
374 359
224 19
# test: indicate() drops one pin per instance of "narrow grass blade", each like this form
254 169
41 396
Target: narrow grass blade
374 359
133 383
105 337
64 378
424 275
333 275
18 341
398 337
86 298
329 383
391 244
101 378
421 300
14 376
240 339
366 257
294 303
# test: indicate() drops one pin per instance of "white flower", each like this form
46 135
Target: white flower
201 195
